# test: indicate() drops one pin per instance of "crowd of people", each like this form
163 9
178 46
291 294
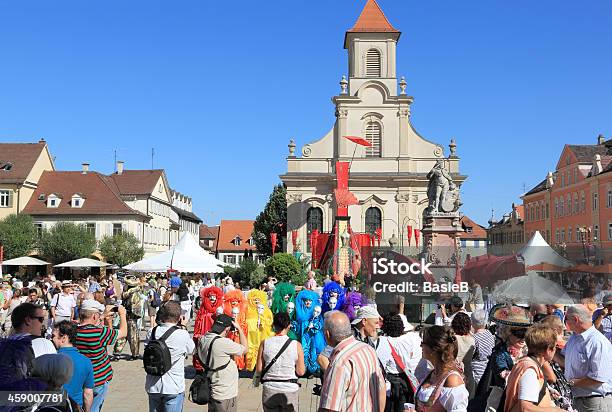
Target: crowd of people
66 336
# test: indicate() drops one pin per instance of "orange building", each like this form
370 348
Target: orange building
572 207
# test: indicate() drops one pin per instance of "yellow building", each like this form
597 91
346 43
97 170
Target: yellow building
21 165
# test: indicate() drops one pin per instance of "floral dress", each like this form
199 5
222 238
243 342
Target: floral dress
560 391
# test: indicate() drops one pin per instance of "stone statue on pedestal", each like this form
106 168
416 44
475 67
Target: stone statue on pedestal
442 192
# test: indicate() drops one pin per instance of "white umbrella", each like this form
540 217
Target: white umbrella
531 288
25 261
82 263
185 256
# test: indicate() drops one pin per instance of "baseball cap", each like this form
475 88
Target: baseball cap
91 304
607 300
175 281
223 321
365 312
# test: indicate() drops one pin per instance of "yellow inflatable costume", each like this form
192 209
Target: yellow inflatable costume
259 324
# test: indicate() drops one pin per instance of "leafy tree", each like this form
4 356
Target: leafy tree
285 268
18 235
66 241
121 249
272 219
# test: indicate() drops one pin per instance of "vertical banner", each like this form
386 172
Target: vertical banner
409 233
342 177
273 239
417 235
294 237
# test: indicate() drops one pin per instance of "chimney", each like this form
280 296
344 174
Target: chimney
601 139
85 168
119 167
596 165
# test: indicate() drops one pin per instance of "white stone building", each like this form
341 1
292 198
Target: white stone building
188 221
388 178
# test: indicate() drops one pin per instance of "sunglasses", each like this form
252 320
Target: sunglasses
519 333
41 319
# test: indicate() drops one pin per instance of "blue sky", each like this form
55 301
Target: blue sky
219 88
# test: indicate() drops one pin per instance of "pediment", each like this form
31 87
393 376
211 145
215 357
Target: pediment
373 199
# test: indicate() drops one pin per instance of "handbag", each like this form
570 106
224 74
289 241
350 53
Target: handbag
411 380
200 391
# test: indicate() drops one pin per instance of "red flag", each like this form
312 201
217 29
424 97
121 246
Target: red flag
372 240
273 241
378 235
417 235
409 233
294 237
358 140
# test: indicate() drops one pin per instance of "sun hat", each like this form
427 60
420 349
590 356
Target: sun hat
365 312
510 315
67 283
91 304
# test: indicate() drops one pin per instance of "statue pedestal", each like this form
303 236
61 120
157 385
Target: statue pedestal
441 232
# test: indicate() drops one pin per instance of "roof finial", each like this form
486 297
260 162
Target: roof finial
343 85
402 85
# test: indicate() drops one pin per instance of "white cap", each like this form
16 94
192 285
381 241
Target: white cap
91 304
366 312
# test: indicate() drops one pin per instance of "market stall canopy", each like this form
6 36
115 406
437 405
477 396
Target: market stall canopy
538 255
531 288
488 269
82 263
25 261
185 256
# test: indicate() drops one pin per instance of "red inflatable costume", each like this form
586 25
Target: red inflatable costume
235 305
211 300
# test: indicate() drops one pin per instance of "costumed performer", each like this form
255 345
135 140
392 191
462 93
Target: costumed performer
310 327
283 294
352 302
211 300
259 323
333 297
235 305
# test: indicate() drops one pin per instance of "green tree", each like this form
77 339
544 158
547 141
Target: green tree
18 235
272 219
121 249
285 268
66 241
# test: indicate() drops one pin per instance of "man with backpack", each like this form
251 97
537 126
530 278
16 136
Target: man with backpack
216 351
168 345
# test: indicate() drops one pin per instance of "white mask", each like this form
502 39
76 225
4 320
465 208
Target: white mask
219 310
317 311
332 302
260 308
307 303
235 312
290 307
213 298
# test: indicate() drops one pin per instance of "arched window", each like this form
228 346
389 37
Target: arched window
373 63
314 220
373 220
374 136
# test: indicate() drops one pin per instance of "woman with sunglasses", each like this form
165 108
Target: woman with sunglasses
443 389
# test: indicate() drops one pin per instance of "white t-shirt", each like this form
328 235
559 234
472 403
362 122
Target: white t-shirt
452 399
42 346
529 387
180 344
403 348
64 306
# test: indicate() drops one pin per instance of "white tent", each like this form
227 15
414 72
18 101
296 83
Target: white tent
82 263
185 256
538 253
25 261
531 289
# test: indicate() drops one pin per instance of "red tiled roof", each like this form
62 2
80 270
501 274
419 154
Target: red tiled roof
372 19
478 232
22 157
101 197
209 232
136 182
228 230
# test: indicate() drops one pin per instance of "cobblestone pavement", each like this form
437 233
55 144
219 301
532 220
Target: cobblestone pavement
127 393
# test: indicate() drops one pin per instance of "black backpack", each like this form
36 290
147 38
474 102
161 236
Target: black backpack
156 358
200 391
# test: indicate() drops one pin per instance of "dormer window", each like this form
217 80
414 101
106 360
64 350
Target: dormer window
252 241
6 166
77 200
53 200
237 241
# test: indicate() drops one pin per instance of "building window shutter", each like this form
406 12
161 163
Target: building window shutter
373 63
374 136
10 198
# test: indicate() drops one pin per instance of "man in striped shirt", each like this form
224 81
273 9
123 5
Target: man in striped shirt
92 340
354 380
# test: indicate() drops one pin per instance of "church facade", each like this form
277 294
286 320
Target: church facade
389 177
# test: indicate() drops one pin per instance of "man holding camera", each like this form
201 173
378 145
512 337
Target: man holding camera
224 382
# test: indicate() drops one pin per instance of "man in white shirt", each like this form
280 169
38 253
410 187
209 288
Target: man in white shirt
167 392
28 320
63 304
455 306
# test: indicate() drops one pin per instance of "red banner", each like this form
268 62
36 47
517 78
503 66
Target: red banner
378 235
358 140
342 177
294 238
273 239
417 235
409 233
